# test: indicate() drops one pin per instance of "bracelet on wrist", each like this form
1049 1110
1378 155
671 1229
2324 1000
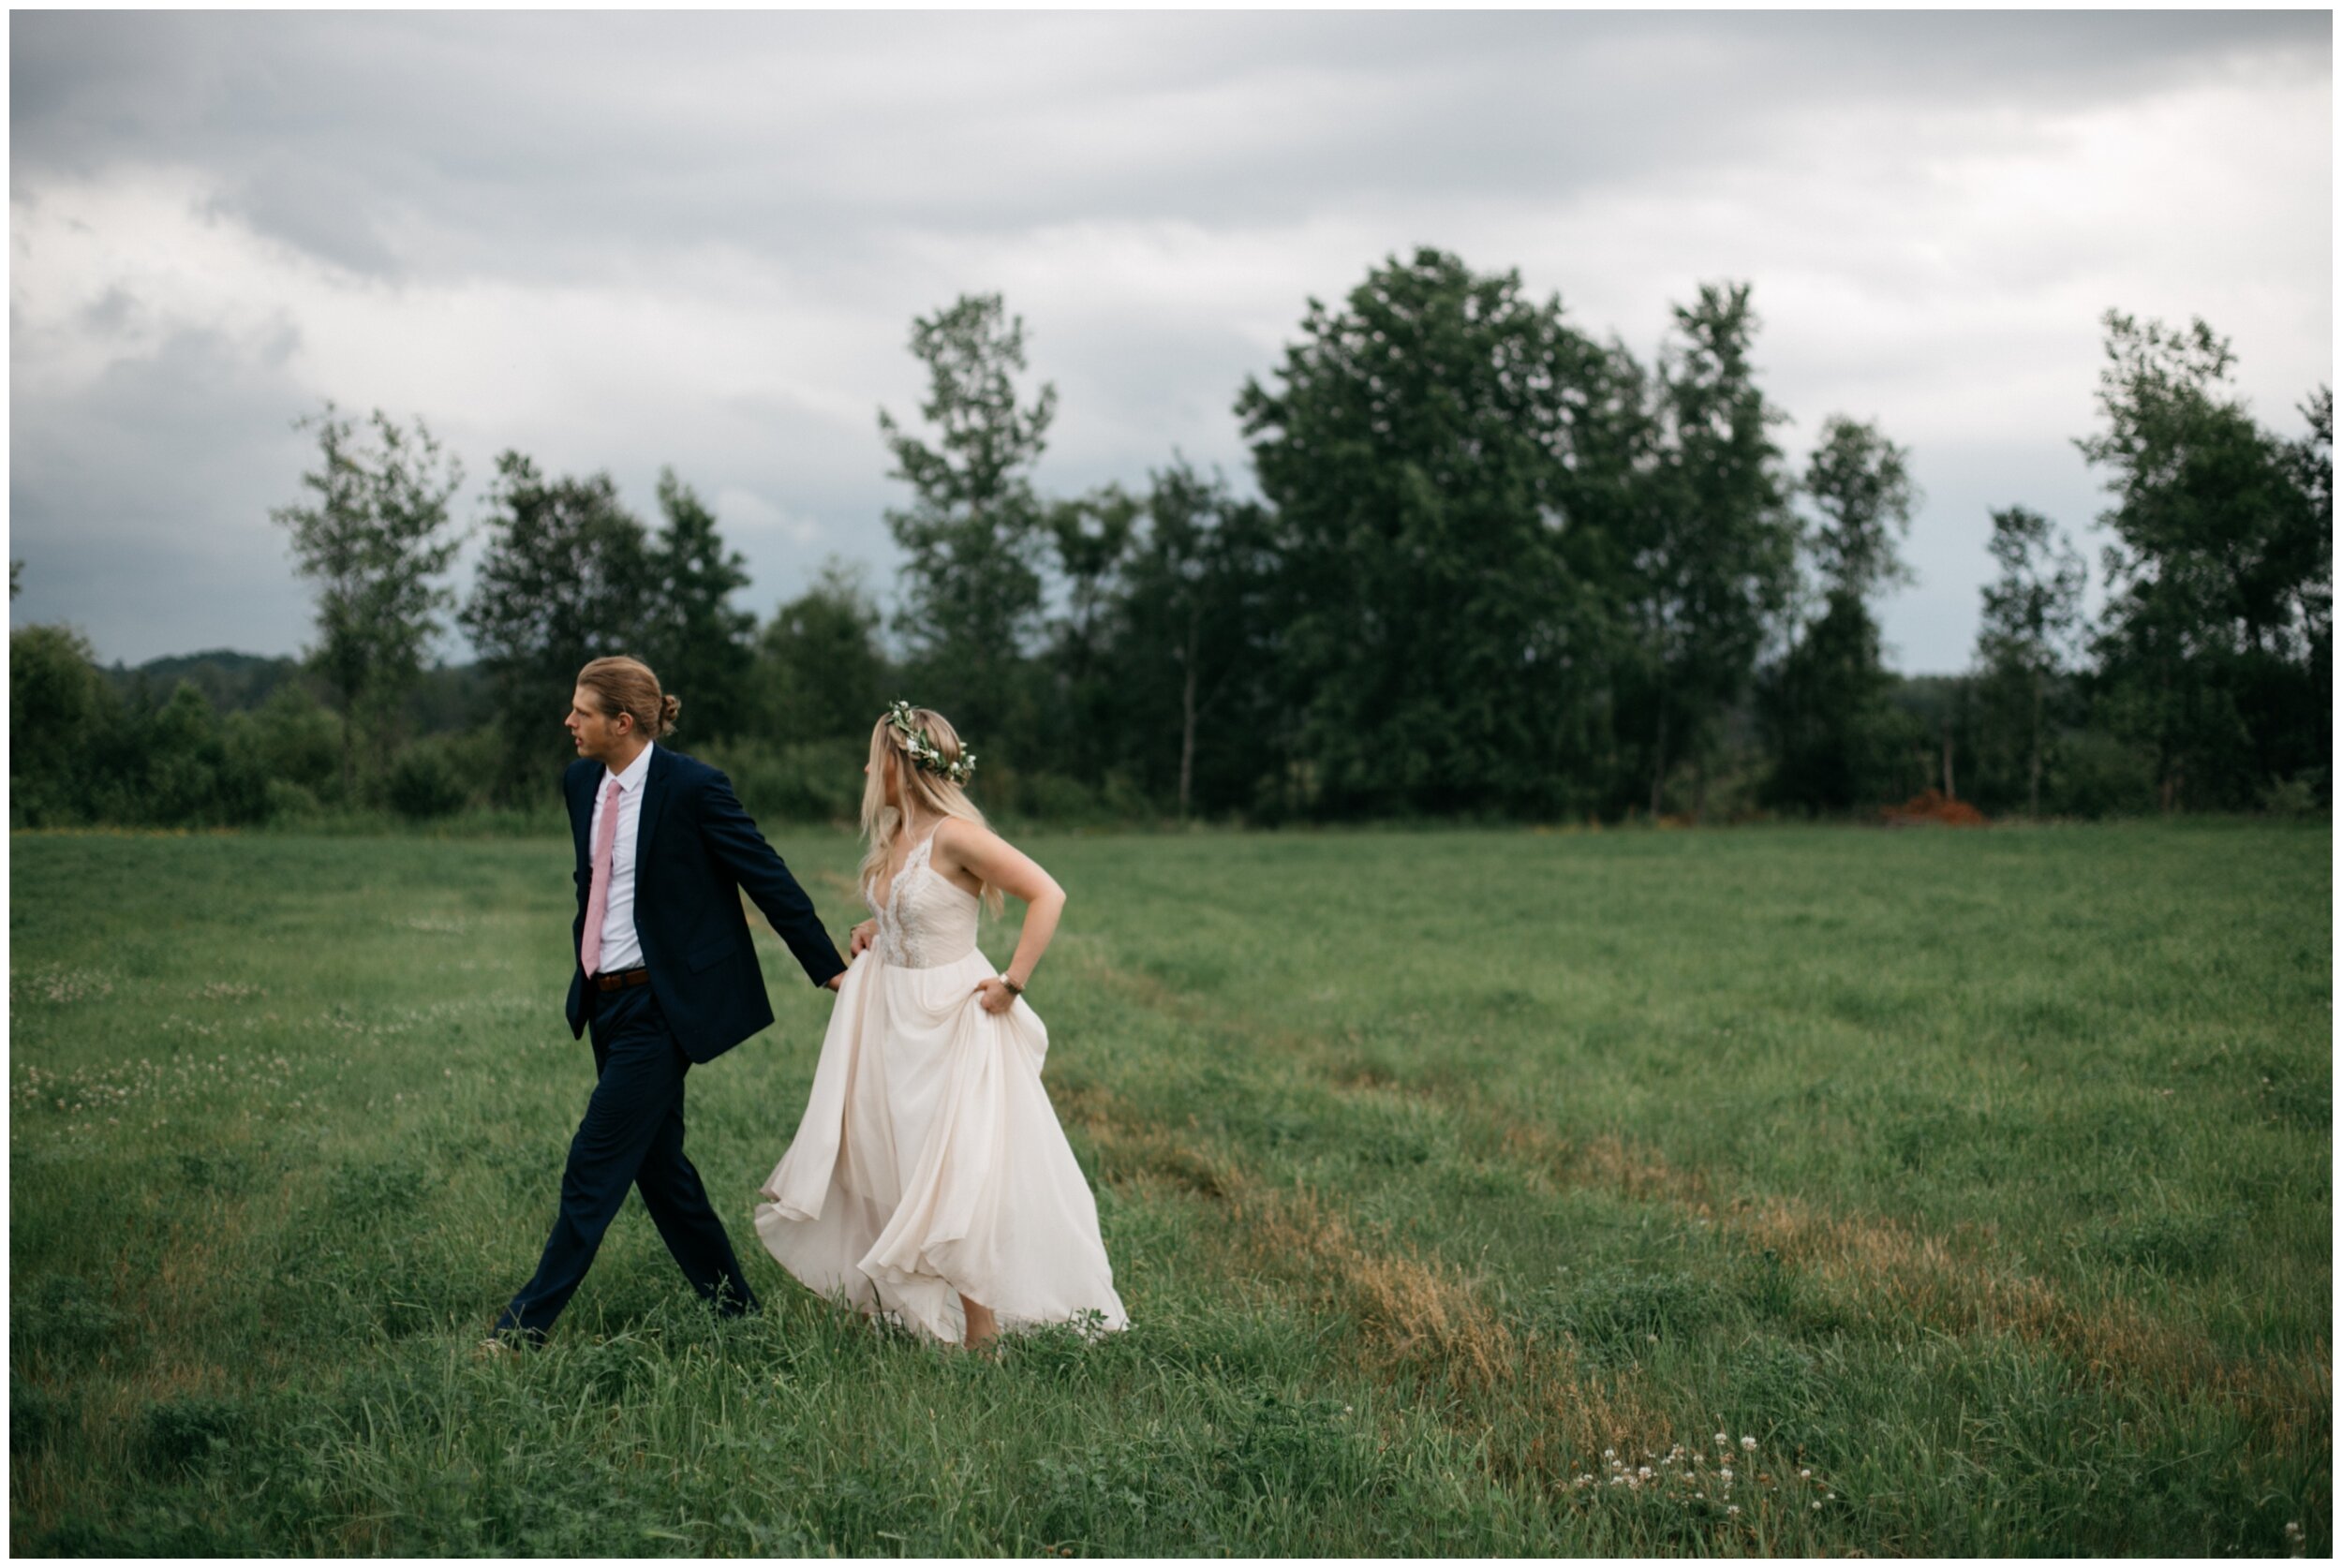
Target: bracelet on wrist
1013 989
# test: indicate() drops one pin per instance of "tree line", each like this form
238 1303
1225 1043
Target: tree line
1495 567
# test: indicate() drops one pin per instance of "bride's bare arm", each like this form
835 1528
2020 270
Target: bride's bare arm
993 859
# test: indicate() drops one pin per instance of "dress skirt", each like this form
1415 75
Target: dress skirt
931 1165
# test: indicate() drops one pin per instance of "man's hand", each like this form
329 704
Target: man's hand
835 981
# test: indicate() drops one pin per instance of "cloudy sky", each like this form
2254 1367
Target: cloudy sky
627 241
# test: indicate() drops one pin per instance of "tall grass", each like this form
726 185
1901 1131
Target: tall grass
1961 1194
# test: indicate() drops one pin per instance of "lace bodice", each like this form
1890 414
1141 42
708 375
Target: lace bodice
925 919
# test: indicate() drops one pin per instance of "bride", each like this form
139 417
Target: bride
930 1179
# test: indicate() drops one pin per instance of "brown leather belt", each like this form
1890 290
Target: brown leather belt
635 976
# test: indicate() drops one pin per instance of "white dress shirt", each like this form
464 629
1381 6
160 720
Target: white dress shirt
621 949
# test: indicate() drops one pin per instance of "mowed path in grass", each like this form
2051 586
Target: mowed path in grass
1973 1186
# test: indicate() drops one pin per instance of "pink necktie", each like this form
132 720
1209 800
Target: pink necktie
597 901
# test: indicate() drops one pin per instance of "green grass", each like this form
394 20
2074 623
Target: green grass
1984 1176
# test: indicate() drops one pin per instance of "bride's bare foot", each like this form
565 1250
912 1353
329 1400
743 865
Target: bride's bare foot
982 1328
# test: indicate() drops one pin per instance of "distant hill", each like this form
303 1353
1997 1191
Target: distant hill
447 698
230 681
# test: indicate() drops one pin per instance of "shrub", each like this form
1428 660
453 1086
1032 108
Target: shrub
292 739
426 781
59 710
288 801
808 781
2095 774
2296 796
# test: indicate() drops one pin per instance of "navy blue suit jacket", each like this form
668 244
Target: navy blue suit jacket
695 852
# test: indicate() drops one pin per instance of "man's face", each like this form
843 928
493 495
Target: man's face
598 735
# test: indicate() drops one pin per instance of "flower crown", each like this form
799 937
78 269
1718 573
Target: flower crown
923 751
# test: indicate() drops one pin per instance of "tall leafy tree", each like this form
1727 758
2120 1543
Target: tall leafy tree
1195 645
1441 633
973 533
2208 622
1714 554
375 535
2305 570
2026 641
1092 537
1861 483
820 674
696 639
1827 702
61 710
568 577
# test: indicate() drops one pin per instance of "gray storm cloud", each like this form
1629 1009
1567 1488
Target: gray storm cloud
623 241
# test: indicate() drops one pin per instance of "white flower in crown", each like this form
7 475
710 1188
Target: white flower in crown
923 751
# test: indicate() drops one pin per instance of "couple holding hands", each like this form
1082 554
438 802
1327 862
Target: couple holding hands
928 1181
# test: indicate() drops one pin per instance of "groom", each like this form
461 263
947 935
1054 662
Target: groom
666 977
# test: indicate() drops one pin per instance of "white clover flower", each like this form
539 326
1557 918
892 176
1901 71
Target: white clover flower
1748 1443
1731 1507
1722 1439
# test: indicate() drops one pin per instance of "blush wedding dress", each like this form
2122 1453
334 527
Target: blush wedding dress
929 1164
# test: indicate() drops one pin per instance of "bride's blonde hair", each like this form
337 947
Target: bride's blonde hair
932 793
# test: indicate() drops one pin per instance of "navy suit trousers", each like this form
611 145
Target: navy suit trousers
633 1136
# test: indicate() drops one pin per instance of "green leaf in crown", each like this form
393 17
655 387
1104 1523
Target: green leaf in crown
923 751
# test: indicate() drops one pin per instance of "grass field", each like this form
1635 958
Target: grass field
1960 1192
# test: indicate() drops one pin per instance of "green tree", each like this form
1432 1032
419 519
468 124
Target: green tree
1440 626
820 674
293 742
2300 569
1193 651
973 532
2205 646
1860 483
1714 552
696 639
1827 702
566 578
1091 536
2026 641
374 535
61 709
184 757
